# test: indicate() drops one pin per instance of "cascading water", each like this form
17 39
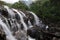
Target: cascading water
29 23
11 13
6 22
37 21
35 18
13 24
8 33
22 13
21 17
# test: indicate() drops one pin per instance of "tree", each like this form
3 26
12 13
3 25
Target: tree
19 5
2 2
49 11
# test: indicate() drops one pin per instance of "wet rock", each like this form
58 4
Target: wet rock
17 17
4 13
21 35
34 33
38 34
2 35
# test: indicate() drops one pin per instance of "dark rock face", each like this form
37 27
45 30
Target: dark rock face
17 17
34 33
38 34
3 12
2 35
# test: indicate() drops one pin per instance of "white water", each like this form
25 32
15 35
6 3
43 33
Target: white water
29 38
47 27
18 25
11 13
7 23
29 23
22 20
8 33
22 13
35 18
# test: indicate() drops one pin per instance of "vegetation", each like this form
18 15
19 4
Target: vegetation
48 11
19 5
1 2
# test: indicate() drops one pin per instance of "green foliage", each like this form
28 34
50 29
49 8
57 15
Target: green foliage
2 3
19 5
48 10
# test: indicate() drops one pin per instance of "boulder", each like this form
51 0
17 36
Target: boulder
2 35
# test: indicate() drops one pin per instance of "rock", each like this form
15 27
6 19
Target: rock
34 33
2 35
4 13
21 35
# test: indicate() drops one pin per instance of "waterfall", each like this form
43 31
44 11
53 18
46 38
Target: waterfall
22 13
35 18
22 20
37 21
17 25
11 13
29 23
7 23
8 33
